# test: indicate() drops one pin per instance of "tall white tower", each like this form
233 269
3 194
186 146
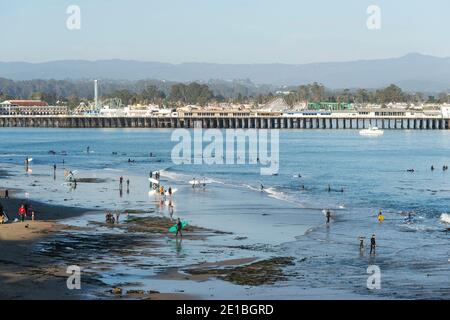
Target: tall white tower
96 93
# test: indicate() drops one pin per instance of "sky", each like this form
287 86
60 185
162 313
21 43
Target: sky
222 31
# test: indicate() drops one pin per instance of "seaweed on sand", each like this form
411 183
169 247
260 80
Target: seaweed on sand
254 274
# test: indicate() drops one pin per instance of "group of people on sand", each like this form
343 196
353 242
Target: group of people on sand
26 211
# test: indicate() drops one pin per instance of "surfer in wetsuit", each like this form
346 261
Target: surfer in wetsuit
179 228
328 214
373 244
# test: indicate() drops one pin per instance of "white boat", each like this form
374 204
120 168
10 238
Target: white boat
372 132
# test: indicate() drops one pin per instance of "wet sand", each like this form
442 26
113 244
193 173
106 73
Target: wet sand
23 273
27 273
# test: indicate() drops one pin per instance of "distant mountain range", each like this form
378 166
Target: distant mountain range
413 72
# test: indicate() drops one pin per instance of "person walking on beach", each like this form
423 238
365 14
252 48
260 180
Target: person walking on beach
29 211
179 228
373 244
22 213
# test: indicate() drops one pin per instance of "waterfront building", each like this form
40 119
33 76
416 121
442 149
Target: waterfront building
31 107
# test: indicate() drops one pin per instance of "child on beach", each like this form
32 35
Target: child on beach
22 213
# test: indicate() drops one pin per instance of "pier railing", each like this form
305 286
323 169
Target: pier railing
279 122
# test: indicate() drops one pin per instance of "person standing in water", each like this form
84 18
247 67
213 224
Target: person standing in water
328 214
171 210
88 149
380 216
128 185
373 244
170 191
179 228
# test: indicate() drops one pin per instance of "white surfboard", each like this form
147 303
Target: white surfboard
173 191
30 159
197 182
153 180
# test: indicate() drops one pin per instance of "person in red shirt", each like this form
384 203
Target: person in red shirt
22 213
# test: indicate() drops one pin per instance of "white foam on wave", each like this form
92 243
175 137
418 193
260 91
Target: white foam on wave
111 169
445 218
175 176
184 177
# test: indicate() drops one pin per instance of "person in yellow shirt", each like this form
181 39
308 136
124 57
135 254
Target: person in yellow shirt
380 216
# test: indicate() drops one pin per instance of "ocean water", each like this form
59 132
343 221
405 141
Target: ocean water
286 217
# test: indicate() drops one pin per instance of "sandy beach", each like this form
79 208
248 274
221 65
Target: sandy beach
23 273
26 274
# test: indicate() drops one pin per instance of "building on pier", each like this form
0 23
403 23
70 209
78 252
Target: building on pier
31 107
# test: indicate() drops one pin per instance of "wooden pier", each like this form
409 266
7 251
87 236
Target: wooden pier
305 122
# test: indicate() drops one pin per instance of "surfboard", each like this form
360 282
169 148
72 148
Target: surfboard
173 191
153 180
174 228
30 159
197 182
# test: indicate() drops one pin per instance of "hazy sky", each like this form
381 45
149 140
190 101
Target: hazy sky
223 31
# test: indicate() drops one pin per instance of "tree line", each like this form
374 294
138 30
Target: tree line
172 94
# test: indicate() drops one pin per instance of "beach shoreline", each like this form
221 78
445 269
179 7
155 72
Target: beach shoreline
26 274
23 273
